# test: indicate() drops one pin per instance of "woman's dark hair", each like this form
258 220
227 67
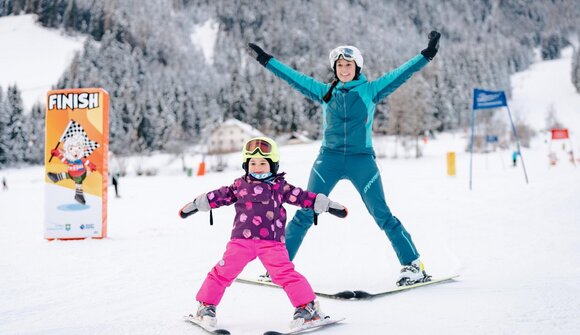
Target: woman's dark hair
328 94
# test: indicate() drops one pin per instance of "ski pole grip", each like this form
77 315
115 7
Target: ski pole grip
341 213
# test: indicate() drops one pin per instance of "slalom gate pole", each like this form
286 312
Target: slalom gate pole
518 143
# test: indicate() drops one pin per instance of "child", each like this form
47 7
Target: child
259 231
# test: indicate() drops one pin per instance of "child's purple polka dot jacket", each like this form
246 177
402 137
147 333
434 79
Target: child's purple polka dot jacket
259 211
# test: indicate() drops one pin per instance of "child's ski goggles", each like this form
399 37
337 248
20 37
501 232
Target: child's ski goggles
253 146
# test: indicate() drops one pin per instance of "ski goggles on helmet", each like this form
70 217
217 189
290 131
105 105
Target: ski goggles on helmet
260 146
348 53
256 145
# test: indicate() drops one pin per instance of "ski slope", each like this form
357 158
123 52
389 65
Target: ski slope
33 57
515 245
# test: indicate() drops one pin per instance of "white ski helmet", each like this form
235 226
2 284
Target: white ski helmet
347 52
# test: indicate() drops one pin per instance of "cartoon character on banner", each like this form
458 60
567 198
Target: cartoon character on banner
77 146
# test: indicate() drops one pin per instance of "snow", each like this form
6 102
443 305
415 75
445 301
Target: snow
536 93
204 36
515 245
33 57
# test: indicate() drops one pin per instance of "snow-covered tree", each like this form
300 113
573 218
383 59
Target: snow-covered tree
15 137
411 112
163 89
35 129
4 118
576 70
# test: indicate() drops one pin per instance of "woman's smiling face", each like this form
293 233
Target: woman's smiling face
345 70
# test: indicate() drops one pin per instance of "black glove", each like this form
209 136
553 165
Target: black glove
256 52
433 46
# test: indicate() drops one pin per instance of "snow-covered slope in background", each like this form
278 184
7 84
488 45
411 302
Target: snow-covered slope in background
514 244
544 86
33 57
204 37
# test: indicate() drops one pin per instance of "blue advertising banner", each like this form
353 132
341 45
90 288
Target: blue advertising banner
491 139
483 99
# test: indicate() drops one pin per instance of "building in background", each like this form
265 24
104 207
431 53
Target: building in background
230 136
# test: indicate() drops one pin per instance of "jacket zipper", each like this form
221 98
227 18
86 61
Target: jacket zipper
344 108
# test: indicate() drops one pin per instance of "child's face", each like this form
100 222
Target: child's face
258 165
345 70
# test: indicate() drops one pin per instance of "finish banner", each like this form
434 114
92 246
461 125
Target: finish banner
75 160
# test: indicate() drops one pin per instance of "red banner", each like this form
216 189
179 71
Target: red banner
559 134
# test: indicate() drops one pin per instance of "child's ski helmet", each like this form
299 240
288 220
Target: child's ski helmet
347 52
261 147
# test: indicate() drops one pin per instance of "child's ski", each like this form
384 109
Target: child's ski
207 328
357 294
310 327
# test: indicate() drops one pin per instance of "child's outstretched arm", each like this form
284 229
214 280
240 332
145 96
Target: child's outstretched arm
223 196
324 204
304 84
318 202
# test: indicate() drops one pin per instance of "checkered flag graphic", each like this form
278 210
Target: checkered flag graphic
74 129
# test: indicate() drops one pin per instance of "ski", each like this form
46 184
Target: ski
310 327
207 328
358 294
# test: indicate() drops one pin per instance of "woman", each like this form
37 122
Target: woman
348 107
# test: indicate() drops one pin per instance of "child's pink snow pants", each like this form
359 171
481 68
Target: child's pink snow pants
275 258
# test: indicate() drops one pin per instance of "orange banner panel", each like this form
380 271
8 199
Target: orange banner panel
76 163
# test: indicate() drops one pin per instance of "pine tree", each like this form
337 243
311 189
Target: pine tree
4 139
15 132
576 69
35 128
411 111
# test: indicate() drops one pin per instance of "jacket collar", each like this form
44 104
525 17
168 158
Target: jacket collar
272 179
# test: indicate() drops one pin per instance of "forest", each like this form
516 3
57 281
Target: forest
165 92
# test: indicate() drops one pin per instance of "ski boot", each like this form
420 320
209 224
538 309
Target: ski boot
206 314
265 278
412 274
309 312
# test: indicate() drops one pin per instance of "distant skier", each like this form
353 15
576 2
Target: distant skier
4 184
515 157
348 107
114 173
259 231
